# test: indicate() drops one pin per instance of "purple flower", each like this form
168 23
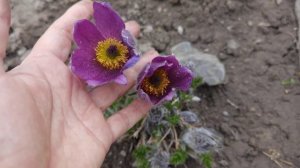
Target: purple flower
103 50
158 81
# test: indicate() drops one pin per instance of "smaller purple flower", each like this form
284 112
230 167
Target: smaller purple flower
159 79
104 49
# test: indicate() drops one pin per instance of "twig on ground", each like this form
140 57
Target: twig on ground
176 138
232 104
275 157
166 134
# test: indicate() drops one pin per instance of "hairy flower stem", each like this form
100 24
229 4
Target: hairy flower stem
175 137
164 137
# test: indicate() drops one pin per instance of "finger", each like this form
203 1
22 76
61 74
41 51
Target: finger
4 28
128 117
133 27
113 91
57 40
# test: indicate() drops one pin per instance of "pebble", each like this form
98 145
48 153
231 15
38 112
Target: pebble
189 117
180 30
148 29
123 153
223 163
196 99
278 2
21 51
202 64
232 44
225 113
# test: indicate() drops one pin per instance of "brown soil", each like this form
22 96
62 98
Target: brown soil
253 110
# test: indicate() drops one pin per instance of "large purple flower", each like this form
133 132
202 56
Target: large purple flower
103 50
159 79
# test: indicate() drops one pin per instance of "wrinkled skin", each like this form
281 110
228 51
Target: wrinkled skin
47 118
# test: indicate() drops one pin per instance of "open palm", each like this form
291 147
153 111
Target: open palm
47 118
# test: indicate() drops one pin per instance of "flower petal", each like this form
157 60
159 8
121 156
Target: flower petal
132 61
108 21
144 96
128 38
181 77
167 97
86 34
170 61
121 80
85 66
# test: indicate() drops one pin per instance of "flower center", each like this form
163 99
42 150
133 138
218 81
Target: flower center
111 53
157 83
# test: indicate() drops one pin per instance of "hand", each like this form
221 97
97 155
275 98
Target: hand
47 118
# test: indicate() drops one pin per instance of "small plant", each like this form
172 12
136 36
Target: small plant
173 119
140 155
179 157
169 134
288 82
206 160
198 81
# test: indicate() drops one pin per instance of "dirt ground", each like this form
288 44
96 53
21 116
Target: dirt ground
255 39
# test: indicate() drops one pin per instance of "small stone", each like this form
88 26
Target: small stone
159 9
148 29
136 6
123 153
250 23
196 99
180 30
278 2
202 64
223 163
189 117
264 24
21 51
232 44
202 140
225 113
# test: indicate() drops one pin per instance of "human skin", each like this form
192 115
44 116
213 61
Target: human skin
47 117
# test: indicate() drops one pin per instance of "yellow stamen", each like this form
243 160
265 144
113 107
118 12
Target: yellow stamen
111 53
157 83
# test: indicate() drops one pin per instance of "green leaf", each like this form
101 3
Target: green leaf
206 160
198 81
179 157
288 82
142 163
156 132
169 105
183 96
174 119
140 156
141 152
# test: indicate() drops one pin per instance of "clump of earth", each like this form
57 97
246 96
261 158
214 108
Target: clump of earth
257 109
